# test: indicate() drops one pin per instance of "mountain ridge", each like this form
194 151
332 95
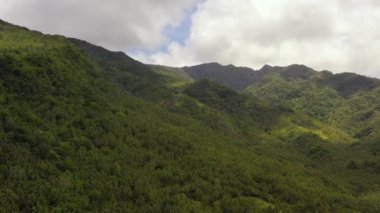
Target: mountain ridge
241 77
266 67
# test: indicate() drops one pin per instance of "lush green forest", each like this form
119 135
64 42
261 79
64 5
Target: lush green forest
83 129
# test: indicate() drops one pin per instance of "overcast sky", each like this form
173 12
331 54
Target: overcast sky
336 35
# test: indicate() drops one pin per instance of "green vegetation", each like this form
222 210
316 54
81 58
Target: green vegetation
83 129
175 78
301 96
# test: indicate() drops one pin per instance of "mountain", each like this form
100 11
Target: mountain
360 115
322 95
234 77
346 84
85 129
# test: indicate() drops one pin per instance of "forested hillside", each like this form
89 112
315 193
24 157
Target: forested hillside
84 129
240 78
346 100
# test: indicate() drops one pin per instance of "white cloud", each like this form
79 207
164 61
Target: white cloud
338 35
116 24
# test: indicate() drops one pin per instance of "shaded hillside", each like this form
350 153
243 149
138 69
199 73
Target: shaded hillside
244 110
360 115
133 76
292 72
174 77
234 77
296 87
346 84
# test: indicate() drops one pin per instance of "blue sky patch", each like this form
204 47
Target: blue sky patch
177 34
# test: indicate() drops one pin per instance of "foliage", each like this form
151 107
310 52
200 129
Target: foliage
83 129
301 96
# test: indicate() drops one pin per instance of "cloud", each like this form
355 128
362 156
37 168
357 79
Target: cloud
338 35
116 24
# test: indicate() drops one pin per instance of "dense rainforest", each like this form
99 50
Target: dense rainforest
84 129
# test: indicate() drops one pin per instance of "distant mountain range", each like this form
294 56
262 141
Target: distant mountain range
240 78
333 98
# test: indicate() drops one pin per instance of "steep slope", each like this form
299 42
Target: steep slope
83 129
360 115
319 94
234 77
299 95
346 84
174 77
132 75
255 117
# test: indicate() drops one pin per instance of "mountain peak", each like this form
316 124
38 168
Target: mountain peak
298 66
230 75
266 67
211 64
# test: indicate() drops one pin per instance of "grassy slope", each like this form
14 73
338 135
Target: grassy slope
175 77
82 134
